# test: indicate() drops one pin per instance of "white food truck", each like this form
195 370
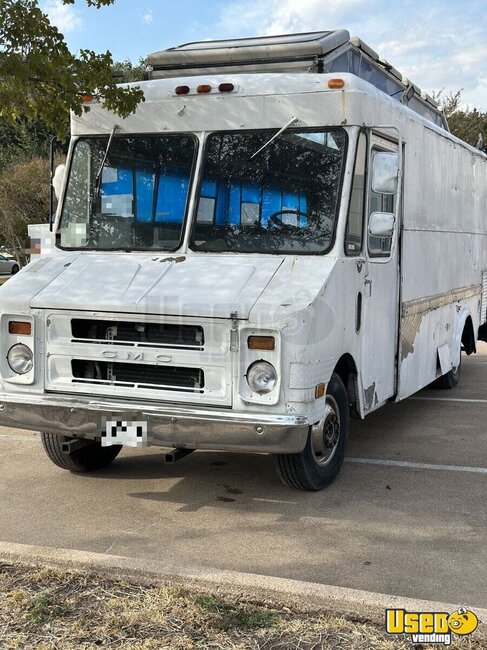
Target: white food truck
283 235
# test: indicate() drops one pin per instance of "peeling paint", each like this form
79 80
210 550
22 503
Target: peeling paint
410 329
176 260
370 395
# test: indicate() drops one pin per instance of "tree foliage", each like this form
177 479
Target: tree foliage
466 123
22 140
41 80
126 71
24 199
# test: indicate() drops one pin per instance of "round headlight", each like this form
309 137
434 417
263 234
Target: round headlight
20 359
262 377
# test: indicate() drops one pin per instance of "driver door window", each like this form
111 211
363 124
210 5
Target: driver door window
380 246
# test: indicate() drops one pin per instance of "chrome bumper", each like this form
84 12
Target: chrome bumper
168 425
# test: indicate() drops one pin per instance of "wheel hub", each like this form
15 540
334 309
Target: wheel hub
325 434
331 431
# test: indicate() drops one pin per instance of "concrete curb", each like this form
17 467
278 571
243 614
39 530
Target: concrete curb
305 596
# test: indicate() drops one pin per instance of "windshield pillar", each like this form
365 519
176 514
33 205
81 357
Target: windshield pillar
193 196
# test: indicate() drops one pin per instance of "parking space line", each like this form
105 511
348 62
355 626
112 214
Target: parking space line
408 464
449 399
292 503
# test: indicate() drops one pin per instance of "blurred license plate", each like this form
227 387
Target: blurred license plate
131 433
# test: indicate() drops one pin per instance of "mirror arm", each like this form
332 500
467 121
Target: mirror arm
52 151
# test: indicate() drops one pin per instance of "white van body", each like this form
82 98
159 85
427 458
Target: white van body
388 322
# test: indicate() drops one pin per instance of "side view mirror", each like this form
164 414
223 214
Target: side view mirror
385 172
57 180
381 224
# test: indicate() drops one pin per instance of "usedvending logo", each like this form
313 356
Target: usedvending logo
431 627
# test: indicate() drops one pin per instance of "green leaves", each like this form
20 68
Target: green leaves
41 80
91 3
464 122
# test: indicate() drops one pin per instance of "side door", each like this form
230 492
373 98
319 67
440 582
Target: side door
4 265
381 290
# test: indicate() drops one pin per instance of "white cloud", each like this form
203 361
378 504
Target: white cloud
64 17
437 45
148 18
442 58
283 16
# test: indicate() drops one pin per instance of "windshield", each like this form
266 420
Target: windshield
139 202
284 199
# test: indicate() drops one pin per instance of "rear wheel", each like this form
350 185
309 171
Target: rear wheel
450 380
86 459
319 463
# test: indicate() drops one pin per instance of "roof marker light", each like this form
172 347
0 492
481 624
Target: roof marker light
336 83
203 88
182 90
226 88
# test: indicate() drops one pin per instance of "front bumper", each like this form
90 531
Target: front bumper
168 425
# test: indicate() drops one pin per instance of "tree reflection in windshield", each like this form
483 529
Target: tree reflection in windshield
284 200
141 202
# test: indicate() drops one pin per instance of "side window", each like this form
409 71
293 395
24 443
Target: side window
355 224
380 246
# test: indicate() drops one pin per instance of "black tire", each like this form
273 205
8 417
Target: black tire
312 470
86 459
15 269
450 380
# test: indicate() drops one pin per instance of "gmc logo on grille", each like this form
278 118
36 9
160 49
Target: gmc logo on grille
136 356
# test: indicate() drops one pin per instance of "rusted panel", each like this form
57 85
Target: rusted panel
414 311
429 303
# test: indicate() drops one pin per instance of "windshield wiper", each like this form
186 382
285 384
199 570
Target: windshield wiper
100 170
292 121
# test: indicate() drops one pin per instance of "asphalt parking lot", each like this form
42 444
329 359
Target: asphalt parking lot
407 516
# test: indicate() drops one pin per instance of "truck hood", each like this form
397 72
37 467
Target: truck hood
192 285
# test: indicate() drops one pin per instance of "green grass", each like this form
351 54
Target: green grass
226 615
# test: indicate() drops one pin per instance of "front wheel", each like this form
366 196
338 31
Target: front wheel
319 463
15 269
86 459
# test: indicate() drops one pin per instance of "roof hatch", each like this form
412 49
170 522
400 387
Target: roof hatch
312 52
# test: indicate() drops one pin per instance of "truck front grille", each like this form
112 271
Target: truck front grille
132 375
139 357
165 335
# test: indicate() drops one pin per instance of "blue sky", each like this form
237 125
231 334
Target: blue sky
437 44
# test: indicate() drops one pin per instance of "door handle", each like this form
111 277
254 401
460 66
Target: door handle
369 284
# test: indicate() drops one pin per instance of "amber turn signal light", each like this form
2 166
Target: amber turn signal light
203 88
17 327
261 343
320 390
336 83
